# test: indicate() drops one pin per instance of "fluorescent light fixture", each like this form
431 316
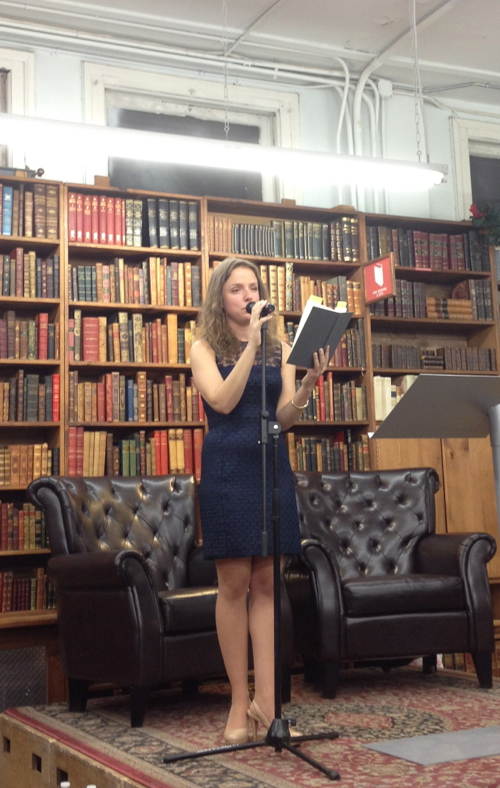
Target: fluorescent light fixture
72 140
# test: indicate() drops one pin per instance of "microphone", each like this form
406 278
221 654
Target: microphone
265 311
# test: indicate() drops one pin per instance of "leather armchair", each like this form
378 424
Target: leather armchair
135 598
375 583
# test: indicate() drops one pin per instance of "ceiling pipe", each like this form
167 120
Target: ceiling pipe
423 22
254 24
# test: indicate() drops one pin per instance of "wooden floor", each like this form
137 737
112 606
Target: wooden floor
28 759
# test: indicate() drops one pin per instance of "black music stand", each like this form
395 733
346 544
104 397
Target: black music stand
449 406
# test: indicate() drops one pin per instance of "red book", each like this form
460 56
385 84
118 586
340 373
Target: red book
101 401
4 526
124 220
109 396
94 219
156 435
42 332
163 453
72 217
72 451
187 438
201 409
110 220
79 451
56 396
87 218
197 448
102 219
79 218
90 338
321 398
118 222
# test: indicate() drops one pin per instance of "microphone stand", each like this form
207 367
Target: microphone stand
278 735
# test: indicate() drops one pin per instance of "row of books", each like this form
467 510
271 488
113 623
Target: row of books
467 251
335 401
289 292
155 281
30 397
29 338
25 275
30 210
469 300
344 452
337 240
124 338
21 591
20 463
388 392
160 452
118 221
350 352
22 528
117 398
448 358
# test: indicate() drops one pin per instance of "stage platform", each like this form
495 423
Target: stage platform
33 759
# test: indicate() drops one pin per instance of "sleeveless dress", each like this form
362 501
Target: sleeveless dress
230 492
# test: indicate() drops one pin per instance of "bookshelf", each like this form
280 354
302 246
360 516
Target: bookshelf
401 346
31 373
134 289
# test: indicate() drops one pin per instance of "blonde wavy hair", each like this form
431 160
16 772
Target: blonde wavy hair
212 323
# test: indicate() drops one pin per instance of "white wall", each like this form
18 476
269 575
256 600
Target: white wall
59 95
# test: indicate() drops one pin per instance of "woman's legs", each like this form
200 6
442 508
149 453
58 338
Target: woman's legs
261 625
232 629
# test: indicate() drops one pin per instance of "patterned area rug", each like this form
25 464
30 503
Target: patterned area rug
370 706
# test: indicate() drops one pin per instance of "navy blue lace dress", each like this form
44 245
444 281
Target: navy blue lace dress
230 491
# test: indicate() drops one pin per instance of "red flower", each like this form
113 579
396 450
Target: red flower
476 212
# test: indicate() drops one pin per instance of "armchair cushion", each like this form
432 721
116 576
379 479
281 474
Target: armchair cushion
188 609
380 596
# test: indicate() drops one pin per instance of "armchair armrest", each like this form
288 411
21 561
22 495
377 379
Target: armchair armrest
465 555
453 554
313 585
108 606
106 569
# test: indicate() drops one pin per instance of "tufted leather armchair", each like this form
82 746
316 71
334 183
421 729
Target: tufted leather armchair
374 582
136 601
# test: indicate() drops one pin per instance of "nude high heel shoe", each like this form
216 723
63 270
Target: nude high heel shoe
236 736
256 716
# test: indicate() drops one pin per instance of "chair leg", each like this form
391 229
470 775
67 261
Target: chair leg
78 694
429 663
484 669
286 684
331 674
139 697
310 669
190 686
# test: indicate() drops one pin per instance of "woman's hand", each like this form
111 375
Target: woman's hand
320 359
256 323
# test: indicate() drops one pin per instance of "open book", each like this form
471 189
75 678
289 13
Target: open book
319 326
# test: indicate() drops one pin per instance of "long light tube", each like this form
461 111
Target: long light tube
78 139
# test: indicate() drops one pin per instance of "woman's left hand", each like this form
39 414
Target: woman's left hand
321 359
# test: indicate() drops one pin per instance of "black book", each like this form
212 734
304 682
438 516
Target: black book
152 223
319 326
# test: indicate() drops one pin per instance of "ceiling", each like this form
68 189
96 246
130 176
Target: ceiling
458 40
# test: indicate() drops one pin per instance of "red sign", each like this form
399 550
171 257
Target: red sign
380 279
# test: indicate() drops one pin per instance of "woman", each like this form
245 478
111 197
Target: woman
226 364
